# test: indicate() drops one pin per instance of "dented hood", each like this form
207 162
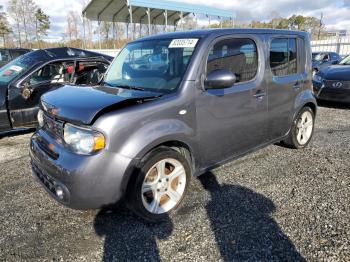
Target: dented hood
82 104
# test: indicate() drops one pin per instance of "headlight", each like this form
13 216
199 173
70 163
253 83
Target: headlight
83 140
40 118
317 78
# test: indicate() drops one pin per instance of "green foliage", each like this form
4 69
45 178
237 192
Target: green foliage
297 22
42 22
4 26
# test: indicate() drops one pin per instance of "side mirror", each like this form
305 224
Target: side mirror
221 78
26 91
335 62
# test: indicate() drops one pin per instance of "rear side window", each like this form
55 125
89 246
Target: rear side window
239 55
283 56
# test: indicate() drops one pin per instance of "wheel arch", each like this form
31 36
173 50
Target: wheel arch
179 145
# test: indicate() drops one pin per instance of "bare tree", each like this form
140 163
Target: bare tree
14 11
73 24
23 14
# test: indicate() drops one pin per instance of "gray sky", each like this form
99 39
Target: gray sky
336 12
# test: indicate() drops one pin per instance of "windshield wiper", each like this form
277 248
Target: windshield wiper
130 87
125 86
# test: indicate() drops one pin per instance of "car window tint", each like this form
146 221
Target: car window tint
283 56
239 55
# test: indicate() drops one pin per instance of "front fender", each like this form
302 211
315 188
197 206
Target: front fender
156 133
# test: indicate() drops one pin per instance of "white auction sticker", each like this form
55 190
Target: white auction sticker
183 43
16 68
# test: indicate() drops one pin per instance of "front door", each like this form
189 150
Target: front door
23 100
231 121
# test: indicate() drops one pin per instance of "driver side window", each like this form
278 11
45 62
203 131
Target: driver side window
239 55
57 72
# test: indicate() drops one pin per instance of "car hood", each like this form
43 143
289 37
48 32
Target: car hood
82 104
336 72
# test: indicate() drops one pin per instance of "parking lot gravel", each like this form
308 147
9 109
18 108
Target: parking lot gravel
275 204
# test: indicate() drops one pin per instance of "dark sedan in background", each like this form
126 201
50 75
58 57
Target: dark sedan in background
8 54
322 60
333 83
25 79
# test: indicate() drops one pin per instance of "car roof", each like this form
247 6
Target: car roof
217 32
64 53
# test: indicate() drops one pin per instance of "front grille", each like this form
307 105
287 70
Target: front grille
337 84
53 126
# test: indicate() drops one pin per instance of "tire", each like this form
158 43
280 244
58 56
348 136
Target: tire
169 191
295 139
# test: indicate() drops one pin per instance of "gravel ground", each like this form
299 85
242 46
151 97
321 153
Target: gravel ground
275 204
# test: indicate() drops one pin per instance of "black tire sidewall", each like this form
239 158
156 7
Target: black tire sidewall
134 198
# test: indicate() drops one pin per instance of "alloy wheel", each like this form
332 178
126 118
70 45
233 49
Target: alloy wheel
163 186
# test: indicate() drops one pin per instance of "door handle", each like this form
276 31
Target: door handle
260 94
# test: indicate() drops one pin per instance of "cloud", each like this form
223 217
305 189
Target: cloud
336 12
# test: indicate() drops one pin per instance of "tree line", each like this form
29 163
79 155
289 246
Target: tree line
31 25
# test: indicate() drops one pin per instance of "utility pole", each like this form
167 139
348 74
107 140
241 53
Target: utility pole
321 24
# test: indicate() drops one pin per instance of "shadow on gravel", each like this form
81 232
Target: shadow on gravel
242 224
334 105
128 238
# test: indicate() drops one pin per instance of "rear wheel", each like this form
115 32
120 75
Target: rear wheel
160 184
302 129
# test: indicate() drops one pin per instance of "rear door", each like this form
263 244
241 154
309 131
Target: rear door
287 77
23 99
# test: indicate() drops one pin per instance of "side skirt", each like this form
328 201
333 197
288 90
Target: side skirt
206 169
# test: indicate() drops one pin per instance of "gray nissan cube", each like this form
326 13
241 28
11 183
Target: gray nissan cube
169 108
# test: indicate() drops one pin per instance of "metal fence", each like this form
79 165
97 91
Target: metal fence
110 52
341 45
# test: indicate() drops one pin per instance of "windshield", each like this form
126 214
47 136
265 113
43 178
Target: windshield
15 67
156 65
345 61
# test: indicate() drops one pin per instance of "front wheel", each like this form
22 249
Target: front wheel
159 185
302 129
